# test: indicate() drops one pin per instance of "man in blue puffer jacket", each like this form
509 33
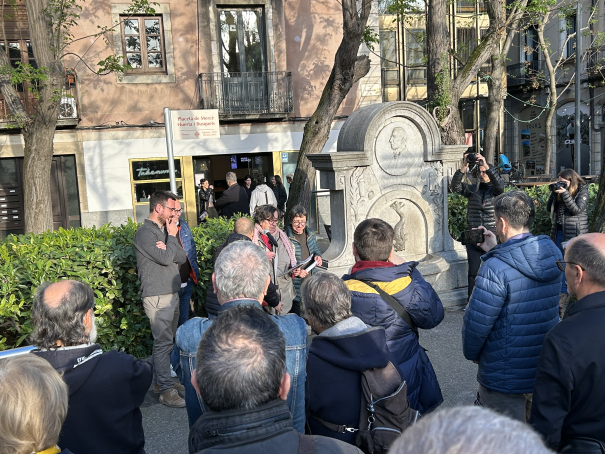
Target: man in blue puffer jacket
514 304
377 263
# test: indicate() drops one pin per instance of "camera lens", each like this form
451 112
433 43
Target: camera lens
471 158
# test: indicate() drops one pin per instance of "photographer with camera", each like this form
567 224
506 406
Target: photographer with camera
480 209
567 204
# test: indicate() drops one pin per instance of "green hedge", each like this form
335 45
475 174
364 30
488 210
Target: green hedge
539 194
103 258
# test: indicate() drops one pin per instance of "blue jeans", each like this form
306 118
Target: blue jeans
184 301
558 242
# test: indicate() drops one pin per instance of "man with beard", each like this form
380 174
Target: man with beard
105 389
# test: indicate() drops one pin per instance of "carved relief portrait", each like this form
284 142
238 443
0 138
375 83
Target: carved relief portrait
399 146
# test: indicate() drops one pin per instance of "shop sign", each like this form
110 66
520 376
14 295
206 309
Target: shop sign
195 124
154 169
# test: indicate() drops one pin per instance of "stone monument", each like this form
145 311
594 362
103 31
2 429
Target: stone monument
390 164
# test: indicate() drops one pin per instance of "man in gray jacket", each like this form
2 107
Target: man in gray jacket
158 256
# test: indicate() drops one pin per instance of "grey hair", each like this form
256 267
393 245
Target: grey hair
516 207
231 177
469 430
241 360
583 253
241 271
64 321
327 299
264 213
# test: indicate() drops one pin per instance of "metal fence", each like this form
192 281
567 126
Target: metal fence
248 93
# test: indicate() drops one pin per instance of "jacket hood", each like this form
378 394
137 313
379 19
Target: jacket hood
534 257
383 274
263 188
359 351
78 362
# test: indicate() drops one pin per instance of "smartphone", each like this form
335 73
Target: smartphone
472 237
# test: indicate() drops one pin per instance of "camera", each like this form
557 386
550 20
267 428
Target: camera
558 185
471 158
475 236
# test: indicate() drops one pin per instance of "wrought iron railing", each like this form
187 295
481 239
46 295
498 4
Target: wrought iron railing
526 73
249 93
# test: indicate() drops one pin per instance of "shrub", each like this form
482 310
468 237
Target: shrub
104 258
542 224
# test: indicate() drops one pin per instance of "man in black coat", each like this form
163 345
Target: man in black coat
480 209
569 391
234 199
105 389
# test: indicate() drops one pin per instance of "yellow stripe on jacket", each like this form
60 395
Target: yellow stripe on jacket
391 288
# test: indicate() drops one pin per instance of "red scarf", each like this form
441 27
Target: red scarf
365 264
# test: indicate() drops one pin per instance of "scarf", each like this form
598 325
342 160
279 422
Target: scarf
258 231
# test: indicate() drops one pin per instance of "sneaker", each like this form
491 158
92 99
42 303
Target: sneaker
171 398
177 386
172 372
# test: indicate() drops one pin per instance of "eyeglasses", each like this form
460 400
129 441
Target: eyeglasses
299 222
273 221
561 265
171 209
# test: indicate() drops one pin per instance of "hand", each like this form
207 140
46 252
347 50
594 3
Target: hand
318 260
211 187
160 245
490 240
171 227
303 274
481 160
562 190
270 255
279 307
463 164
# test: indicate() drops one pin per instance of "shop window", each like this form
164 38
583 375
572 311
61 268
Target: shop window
148 176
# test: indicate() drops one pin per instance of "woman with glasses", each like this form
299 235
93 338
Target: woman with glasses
568 207
305 244
279 252
480 208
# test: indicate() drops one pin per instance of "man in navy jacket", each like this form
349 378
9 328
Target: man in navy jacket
377 263
569 391
514 304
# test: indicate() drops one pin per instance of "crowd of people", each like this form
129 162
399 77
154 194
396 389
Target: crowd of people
292 360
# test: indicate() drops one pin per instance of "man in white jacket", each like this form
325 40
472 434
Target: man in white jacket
262 195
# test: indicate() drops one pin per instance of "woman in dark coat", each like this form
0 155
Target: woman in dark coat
206 200
569 216
280 193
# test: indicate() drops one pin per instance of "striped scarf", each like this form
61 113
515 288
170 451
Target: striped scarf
258 231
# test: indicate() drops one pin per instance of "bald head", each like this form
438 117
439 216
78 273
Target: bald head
62 314
585 255
244 226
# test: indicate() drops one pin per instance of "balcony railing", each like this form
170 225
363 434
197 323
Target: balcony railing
526 73
263 94
69 112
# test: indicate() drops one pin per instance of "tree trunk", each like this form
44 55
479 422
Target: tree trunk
38 138
438 59
348 68
552 100
494 106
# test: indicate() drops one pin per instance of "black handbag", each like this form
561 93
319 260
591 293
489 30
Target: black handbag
583 445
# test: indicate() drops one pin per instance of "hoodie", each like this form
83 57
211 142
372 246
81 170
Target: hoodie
105 393
262 195
514 304
337 357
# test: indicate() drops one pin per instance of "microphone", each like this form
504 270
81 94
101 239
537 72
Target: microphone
271 239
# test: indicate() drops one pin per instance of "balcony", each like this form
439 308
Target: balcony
249 95
68 109
526 73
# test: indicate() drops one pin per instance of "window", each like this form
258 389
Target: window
415 50
242 39
143 44
466 42
570 27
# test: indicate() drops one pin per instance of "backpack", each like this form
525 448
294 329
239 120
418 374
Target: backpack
385 411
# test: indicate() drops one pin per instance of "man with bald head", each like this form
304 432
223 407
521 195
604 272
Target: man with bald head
569 393
105 389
